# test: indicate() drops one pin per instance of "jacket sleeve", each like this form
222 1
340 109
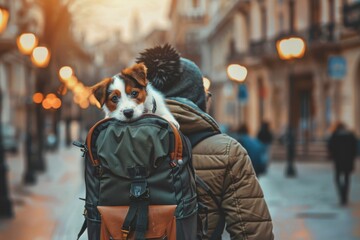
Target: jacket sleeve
246 212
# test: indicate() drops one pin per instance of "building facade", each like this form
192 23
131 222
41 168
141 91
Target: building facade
326 79
188 18
16 74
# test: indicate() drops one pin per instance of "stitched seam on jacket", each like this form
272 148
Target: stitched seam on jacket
236 198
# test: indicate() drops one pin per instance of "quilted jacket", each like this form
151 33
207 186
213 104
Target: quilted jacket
226 167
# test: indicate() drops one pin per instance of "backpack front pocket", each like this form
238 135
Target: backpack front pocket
161 223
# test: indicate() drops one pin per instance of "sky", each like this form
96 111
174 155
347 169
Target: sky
96 19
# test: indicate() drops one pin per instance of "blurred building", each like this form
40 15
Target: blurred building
326 79
19 77
154 37
188 18
16 72
109 58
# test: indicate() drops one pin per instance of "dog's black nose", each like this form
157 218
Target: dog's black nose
128 113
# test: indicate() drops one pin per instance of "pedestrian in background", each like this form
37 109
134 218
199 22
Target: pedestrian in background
217 158
254 147
265 136
342 148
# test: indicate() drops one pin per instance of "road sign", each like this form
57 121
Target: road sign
336 67
243 94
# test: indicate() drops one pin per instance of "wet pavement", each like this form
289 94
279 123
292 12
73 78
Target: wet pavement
302 208
307 207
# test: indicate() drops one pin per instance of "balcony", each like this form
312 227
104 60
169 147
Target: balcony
235 56
258 50
318 37
351 15
321 33
262 48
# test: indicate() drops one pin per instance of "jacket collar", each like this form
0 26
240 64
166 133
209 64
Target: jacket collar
191 118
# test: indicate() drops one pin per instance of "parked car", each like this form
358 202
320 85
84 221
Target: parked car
10 139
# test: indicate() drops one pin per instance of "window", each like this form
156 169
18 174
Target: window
263 20
281 22
195 3
331 11
315 12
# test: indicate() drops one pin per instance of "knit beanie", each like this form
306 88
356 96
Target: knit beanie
173 75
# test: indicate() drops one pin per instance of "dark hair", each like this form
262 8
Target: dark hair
243 129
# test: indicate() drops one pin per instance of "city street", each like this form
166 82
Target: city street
280 73
302 208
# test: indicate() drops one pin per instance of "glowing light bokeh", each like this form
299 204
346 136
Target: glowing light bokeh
237 72
40 56
289 48
26 42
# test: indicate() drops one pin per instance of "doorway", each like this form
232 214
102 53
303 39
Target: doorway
304 110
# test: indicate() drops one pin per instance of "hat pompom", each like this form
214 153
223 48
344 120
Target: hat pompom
163 63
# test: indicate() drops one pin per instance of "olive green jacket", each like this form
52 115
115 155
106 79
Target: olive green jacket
226 167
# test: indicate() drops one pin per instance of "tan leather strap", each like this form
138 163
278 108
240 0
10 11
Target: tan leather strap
177 154
95 162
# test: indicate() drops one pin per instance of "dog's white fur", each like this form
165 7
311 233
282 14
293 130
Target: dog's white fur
126 102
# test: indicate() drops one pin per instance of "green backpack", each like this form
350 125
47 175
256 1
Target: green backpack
140 182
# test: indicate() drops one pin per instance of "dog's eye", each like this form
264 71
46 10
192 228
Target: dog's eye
114 99
134 94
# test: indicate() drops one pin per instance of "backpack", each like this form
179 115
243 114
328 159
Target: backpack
139 179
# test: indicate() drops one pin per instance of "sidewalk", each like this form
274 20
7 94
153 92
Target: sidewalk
302 208
40 209
307 207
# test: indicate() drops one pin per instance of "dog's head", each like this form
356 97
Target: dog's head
123 95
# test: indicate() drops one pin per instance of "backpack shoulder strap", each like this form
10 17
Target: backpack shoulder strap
221 223
178 148
82 230
196 138
91 139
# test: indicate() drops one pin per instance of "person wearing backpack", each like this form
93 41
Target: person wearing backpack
219 160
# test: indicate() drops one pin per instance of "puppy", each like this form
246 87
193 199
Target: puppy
128 95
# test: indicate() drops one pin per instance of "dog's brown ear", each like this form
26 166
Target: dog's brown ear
99 90
137 72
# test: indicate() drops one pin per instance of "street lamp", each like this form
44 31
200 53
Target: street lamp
6 209
66 72
4 17
208 94
237 72
26 42
206 83
40 56
289 49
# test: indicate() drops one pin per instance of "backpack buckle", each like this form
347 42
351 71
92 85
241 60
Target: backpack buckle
173 163
139 189
125 232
